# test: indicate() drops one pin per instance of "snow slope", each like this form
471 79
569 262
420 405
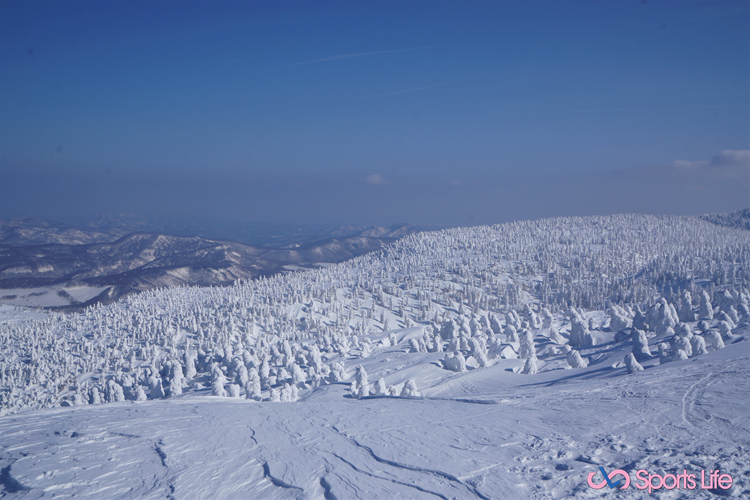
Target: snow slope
408 373
532 436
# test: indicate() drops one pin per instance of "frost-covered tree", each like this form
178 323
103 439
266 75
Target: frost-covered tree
241 373
366 348
177 380
253 387
511 334
140 394
530 366
414 343
190 371
686 313
555 336
79 400
618 318
664 316
299 376
467 278
705 310
641 350
679 355
724 300
455 362
495 325
289 393
681 343
725 330
743 311
96 398
115 392
361 376
665 356
393 340
265 370
217 389
157 388
575 360
218 380
379 388
632 364
698 345
724 317
282 375
547 318
512 318
338 372
683 330
579 332
713 337
463 342
437 343
639 321
275 395
733 315
448 330
527 349
233 390
410 389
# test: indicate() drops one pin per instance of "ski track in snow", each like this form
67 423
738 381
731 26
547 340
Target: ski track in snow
539 445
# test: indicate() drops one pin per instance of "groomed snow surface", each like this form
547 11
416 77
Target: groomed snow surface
504 354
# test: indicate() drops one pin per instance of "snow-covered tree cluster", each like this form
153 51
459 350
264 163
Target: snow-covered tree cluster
543 293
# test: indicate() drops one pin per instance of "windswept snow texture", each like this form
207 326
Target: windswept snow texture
540 440
476 363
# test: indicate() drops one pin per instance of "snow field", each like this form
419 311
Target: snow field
488 362
539 440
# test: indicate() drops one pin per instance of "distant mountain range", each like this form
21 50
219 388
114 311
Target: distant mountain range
265 234
35 254
739 219
108 228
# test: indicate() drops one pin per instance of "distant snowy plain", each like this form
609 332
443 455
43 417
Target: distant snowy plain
487 323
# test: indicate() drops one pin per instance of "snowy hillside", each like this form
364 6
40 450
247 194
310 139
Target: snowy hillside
489 362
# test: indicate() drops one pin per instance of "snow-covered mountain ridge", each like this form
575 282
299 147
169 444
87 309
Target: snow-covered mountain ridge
142 261
474 348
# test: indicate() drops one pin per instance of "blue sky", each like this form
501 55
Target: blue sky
373 112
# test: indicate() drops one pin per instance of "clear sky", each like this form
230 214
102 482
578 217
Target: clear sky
374 112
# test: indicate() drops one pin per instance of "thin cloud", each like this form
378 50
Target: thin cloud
732 158
360 54
689 164
728 158
404 91
377 180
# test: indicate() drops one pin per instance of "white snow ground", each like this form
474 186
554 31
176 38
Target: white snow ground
487 432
